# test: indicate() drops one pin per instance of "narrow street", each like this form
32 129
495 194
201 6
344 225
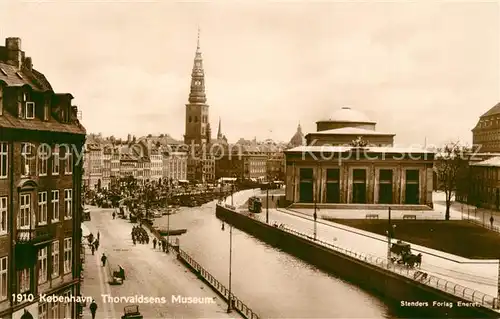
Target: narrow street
149 273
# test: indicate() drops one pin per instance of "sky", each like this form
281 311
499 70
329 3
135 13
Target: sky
424 70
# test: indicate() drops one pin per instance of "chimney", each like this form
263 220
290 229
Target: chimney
46 107
14 53
129 138
28 63
133 139
74 113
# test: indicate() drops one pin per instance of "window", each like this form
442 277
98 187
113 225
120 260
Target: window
67 255
54 310
24 280
385 186
333 185
359 186
3 278
306 185
42 208
26 158
55 205
24 217
4 159
3 215
42 265
55 259
68 203
412 187
42 311
67 305
43 157
68 169
30 110
55 161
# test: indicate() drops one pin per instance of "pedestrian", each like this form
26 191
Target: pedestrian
92 248
114 214
159 245
133 240
164 246
154 243
93 308
103 259
491 221
98 235
96 244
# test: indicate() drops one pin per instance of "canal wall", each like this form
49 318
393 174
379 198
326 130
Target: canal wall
396 286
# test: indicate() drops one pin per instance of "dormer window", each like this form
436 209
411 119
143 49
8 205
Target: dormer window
29 111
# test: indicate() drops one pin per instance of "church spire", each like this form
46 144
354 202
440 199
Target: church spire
197 94
219 131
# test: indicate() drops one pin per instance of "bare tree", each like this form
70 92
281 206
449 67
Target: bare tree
452 164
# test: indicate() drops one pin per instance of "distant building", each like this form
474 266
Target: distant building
358 172
41 142
486 133
298 138
485 183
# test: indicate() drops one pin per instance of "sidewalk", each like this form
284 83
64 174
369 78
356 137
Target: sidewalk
94 284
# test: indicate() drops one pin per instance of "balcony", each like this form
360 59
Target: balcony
33 236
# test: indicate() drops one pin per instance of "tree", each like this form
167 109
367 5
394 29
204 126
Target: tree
451 165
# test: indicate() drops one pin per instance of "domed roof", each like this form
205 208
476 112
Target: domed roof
346 114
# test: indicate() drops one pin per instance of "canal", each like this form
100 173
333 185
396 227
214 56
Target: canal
271 282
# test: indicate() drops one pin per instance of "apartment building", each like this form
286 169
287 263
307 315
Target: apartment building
41 143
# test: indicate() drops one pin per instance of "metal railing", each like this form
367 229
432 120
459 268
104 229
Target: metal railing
482 224
411 273
241 307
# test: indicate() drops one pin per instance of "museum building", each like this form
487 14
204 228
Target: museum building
347 163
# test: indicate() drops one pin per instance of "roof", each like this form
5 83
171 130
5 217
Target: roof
494 110
352 131
16 77
7 120
346 114
341 149
491 162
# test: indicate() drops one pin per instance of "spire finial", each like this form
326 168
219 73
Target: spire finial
198 42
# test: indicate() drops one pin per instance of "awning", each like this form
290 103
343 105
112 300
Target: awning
85 230
183 181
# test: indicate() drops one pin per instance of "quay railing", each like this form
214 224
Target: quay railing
411 273
482 224
237 304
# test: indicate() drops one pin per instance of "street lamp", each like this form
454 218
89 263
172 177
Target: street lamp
389 230
267 201
229 297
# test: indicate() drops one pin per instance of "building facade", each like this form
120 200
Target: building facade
486 133
484 189
41 147
359 173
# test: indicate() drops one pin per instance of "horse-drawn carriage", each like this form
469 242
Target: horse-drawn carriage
401 254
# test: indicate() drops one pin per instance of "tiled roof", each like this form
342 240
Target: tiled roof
492 162
352 131
340 149
9 121
16 77
494 110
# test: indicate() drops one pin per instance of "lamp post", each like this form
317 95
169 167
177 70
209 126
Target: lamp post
389 230
315 215
267 203
229 297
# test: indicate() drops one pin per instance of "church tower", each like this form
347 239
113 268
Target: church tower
219 131
197 109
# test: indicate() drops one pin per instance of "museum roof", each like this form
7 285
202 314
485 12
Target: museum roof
370 149
347 114
492 162
352 131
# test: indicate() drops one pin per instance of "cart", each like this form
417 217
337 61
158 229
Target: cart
131 312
